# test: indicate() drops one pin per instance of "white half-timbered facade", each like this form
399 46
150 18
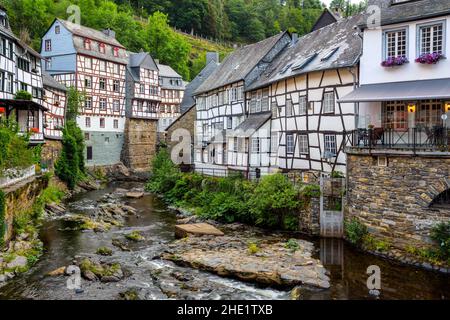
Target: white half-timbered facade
172 89
221 106
55 100
95 63
20 71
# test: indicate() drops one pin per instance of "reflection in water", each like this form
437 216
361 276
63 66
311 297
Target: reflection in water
347 266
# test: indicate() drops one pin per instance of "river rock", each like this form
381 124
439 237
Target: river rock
3 278
89 275
197 229
58 272
107 279
17 262
135 195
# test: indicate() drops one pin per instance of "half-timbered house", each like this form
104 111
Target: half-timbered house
95 63
55 99
20 71
297 122
221 102
172 93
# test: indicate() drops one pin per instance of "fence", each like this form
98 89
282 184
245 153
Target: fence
10 177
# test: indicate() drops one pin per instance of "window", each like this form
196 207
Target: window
330 145
57 98
9 83
103 104
2 81
290 145
11 51
23 64
140 106
89 153
235 144
395 43
303 105
274 142
102 65
48 45
303 146
116 105
48 64
382 161
87 44
265 100
116 52
88 122
101 47
102 123
88 82
86 136
88 63
230 123
274 111
102 84
142 89
431 39
328 102
57 29
395 115
116 86
88 103
234 95
116 124
289 108
429 113
256 145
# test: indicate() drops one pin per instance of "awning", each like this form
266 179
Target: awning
408 90
250 125
21 104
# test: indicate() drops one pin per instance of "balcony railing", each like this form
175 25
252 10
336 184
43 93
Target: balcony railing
436 139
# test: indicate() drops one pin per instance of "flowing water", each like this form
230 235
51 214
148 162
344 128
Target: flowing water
347 266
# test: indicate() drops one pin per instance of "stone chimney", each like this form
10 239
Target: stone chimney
110 33
212 56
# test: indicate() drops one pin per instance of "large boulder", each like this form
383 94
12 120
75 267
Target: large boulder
196 229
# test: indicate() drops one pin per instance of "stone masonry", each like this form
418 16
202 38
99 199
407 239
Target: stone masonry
140 144
394 200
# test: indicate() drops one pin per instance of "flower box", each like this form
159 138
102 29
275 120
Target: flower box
430 58
394 61
34 130
2 110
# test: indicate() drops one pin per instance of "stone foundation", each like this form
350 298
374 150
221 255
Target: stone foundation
309 218
140 144
394 201
50 153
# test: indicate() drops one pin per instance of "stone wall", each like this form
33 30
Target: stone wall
106 147
394 200
50 153
309 218
140 144
185 121
20 198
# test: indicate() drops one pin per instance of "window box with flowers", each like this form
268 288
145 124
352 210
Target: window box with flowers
34 130
394 61
430 58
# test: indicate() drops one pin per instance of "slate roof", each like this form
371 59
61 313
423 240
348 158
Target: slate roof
188 100
49 81
315 46
136 61
251 124
409 11
239 64
167 71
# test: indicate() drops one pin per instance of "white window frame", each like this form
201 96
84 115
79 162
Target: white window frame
256 145
116 105
274 143
396 33
290 108
330 144
290 143
329 105
103 104
419 39
303 105
303 143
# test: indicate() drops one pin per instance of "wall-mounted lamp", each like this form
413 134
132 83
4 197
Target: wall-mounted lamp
447 107
411 107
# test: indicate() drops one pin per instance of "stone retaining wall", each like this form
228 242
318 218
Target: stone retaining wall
394 200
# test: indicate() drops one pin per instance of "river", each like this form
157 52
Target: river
347 266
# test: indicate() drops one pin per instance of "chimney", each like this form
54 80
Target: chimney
110 33
212 56
294 38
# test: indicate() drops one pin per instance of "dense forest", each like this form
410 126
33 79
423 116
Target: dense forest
147 24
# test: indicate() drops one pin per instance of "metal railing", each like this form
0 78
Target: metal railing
435 138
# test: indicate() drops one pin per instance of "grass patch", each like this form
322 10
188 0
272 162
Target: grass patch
135 236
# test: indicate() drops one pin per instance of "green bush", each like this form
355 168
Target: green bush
164 175
23 95
2 217
355 231
274 200
292 245
441 234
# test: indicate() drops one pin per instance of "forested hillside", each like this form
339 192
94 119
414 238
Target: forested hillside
147 24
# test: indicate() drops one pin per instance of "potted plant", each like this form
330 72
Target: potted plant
430 58
23 95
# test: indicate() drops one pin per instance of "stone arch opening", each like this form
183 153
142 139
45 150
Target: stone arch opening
442 201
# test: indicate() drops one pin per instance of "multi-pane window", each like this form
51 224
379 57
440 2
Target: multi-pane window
103 104
116 86
230 123
431 39
116 68
48 45
116 124
303 105
290 144
140 106
328 102
256 145
429 113
330 144
87 44
116 52
88 122
101 47
102 83
88 103
57 29
265 106
9 83
235 144
395 43
395 115
102 65
303 145
88 63
142 89
289 108
274 110
102 122
274 142
88 82
234 94
116 105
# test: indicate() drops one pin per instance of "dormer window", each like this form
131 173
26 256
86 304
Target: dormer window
116 51
101 47
57 29
87 44
431 38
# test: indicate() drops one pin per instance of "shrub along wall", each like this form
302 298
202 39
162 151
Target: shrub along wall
274 202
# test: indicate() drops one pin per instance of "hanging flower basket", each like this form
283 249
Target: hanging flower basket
34 130
394 61
430 58
2 110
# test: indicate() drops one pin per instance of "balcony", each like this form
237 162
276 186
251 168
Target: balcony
413 141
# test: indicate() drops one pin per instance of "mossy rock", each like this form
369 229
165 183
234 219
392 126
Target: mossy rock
135 236
104 251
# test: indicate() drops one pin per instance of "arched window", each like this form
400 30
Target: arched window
442 201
